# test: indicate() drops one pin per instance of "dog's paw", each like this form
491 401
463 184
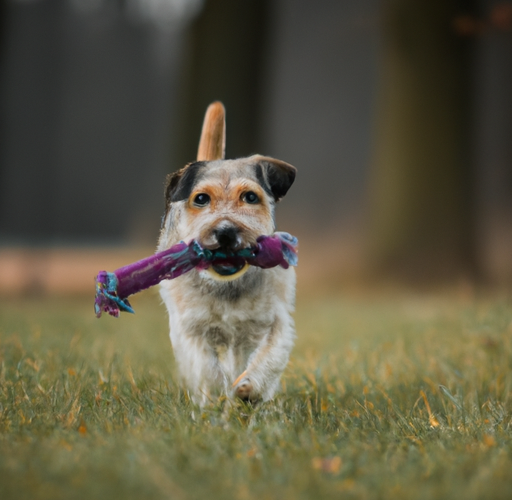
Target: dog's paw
244 390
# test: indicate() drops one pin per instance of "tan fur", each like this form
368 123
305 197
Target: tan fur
213 135
238 332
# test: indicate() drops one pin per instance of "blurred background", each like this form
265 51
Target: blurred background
397 115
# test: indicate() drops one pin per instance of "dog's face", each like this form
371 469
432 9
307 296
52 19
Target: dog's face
224 203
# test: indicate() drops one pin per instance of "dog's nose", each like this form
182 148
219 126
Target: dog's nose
227 236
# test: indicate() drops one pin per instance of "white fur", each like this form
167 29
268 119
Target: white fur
220 330
210 360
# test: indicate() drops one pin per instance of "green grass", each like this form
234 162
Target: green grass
385 397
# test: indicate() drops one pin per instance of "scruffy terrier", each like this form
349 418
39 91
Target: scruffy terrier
231 330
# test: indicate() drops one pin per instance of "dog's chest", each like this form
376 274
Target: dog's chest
225 325
220 323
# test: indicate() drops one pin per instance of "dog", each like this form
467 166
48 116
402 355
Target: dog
231 333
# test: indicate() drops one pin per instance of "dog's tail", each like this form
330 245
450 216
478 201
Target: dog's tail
213 136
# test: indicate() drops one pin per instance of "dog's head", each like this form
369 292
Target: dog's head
225 203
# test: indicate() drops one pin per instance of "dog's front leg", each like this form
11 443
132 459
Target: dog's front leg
261 378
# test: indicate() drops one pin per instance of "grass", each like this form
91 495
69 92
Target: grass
386 396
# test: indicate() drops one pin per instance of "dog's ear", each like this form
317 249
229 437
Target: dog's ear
275 176
180 184
212 144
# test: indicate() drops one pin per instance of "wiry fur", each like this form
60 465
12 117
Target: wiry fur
219 330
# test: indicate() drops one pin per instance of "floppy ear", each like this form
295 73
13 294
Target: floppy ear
180 184
275 176
213 135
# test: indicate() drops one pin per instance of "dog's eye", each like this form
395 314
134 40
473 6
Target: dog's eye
201 200
250 197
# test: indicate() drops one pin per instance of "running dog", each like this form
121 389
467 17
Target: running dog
231 329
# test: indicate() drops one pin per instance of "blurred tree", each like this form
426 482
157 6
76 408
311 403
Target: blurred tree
422 222
33 61
223 61
84 93
3 29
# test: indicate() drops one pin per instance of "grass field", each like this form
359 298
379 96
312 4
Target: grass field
386 396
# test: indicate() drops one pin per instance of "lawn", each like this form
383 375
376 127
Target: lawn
387 395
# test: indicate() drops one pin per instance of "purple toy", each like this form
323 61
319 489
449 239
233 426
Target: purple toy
113 289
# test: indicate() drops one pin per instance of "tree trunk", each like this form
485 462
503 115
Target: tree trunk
421 188
224 62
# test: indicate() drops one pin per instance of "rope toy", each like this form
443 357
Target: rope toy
113 289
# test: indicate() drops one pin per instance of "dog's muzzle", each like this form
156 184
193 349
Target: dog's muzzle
228 237
229 240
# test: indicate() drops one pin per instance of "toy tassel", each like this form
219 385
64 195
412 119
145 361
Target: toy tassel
113 289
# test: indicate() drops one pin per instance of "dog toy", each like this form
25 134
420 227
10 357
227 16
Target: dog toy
113 289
